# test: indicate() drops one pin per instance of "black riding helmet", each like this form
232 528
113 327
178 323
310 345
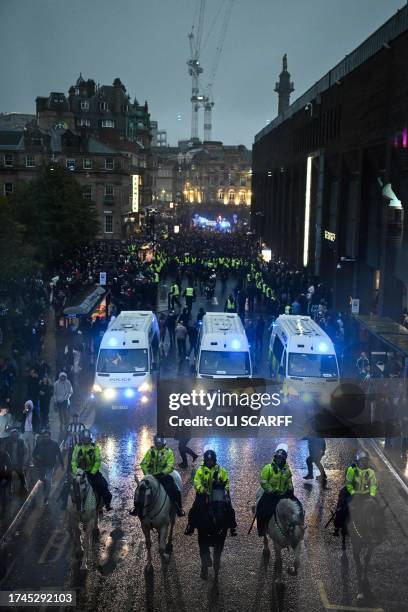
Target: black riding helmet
86 436
159 441
210 458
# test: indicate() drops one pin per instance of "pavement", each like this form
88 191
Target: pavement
38 553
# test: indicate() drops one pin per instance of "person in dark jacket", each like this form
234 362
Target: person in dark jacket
317 448
46 455
16 450
45 390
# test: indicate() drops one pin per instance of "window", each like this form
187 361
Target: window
122 361
312 365
242 181
226 363
30 161
221 195
36 142
84 122
109 163
103 106
109 193
87 163
87 192
84 105
231 195
8 189
108 224
108 123
242 198
71 164
277 350
8 159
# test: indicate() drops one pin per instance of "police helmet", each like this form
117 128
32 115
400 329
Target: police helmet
281 451
159 441
362 454
86 435
210 455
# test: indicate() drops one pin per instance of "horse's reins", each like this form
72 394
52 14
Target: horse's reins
150 518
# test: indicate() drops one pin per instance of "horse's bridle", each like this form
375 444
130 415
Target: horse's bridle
152 503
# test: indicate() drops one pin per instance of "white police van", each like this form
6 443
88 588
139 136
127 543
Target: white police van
302 357
126 359
223 350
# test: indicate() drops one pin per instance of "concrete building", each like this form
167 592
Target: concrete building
159 137
329 174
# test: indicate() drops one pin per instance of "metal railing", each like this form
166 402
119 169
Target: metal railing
392 28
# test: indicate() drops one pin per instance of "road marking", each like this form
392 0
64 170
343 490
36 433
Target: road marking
389 466
329 606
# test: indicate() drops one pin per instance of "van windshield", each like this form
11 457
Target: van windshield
225 363
122 361
312 365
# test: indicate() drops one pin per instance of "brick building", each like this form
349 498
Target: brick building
329 171
101 136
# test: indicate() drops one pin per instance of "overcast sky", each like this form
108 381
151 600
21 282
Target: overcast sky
47 43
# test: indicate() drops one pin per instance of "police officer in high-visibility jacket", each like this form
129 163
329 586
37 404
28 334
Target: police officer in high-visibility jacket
230 305
174 295
207 477
190 296
360 482
86 456
276 481
159 461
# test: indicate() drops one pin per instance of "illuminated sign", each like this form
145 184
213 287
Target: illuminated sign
135 193
307 210
331 236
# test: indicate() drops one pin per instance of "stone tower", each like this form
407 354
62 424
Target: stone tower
284 87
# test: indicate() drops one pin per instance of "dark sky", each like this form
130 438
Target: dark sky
46 43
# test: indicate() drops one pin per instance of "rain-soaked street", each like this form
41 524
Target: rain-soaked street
39 552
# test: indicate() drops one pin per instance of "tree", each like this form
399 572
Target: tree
16 254
56 217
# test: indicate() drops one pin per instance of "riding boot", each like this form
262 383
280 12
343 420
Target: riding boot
178 503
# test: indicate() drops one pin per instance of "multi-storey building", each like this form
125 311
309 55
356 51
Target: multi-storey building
207 173
108 177
101 136
330 175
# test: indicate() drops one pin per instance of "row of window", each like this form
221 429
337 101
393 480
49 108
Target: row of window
71 164
232 195
8 160
106 123
103 106
109 193
87 163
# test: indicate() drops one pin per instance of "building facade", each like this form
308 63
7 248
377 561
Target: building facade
329 171
106 175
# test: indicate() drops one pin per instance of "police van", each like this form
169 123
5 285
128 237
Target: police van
302 357
126 359
223 350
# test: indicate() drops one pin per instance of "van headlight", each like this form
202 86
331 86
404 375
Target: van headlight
144 387
109 394
97 388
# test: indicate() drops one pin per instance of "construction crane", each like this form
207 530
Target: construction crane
208 101
194 70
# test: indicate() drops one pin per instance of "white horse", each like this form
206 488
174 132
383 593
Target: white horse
156 512
286 530
83 511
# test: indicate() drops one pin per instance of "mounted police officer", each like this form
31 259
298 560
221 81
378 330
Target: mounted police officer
159 462
86 456
360 482
208 476
276 481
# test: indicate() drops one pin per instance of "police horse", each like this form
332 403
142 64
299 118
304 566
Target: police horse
286 529
156 511
213 520
365 527
84 508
